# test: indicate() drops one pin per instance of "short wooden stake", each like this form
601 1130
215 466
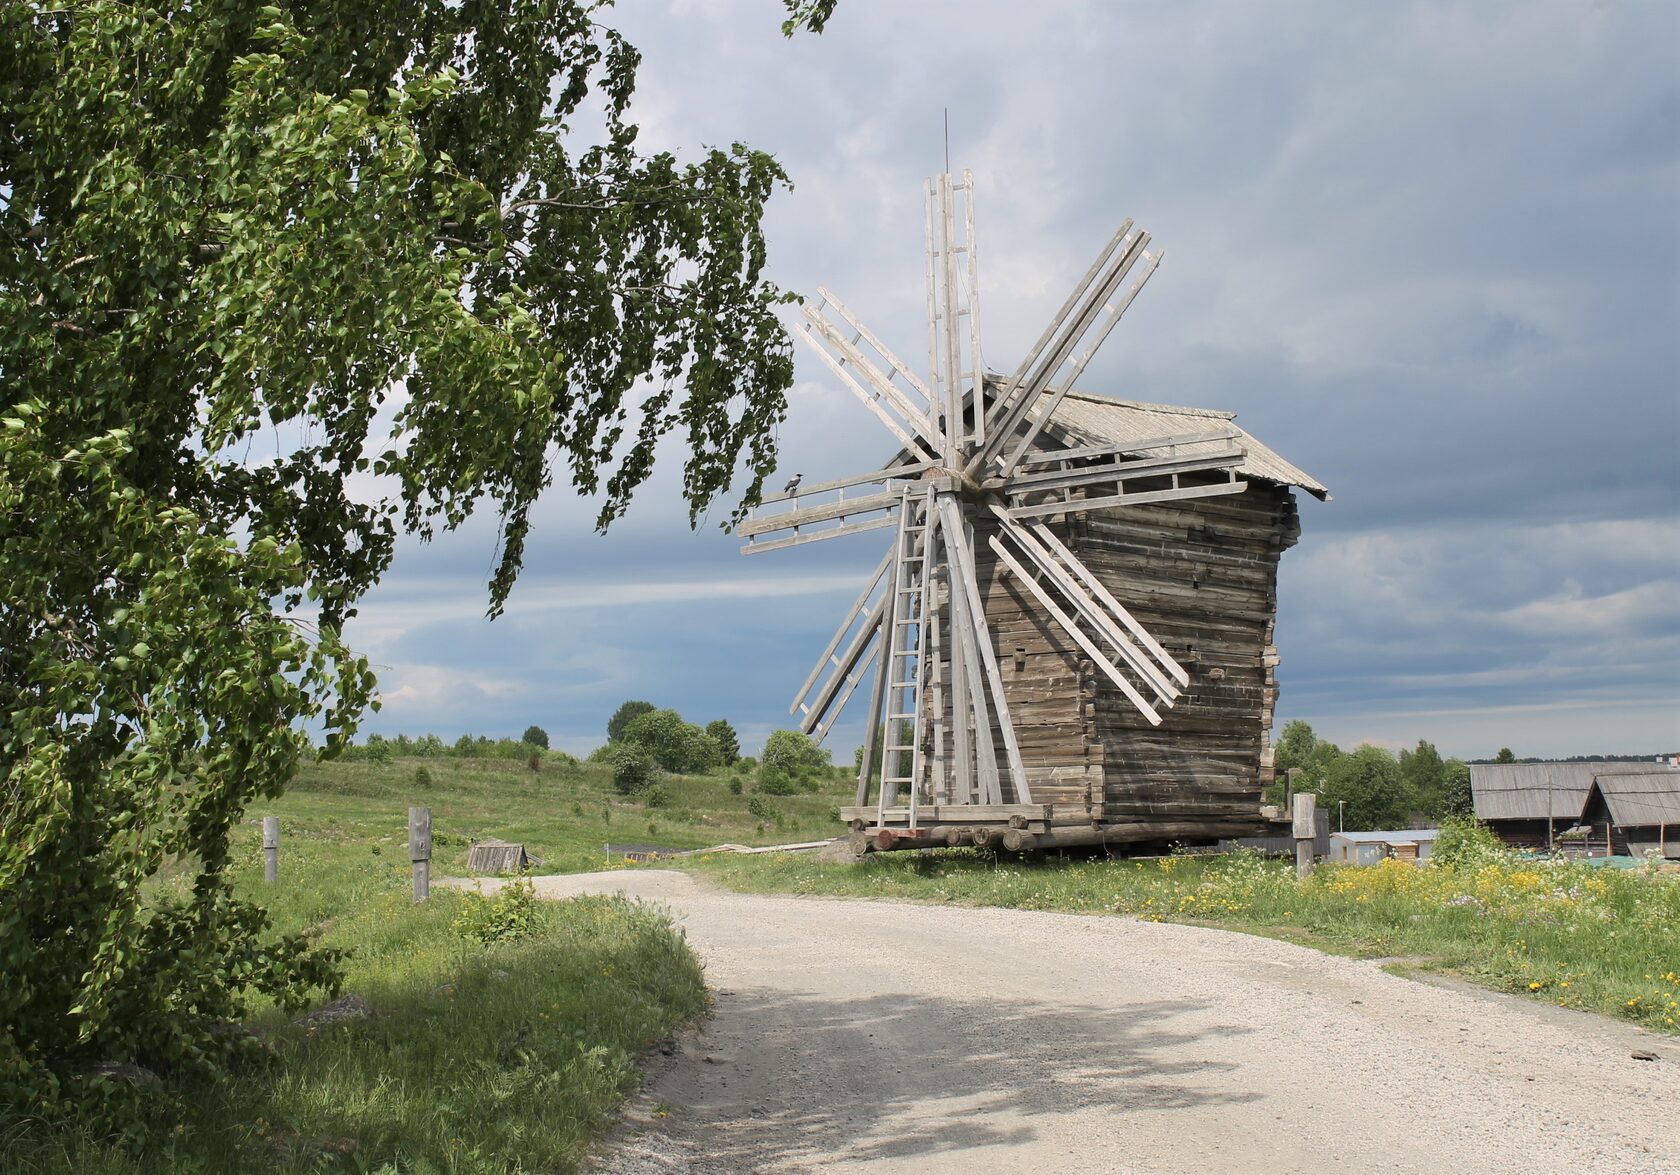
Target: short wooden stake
1306 829
271 849
420 850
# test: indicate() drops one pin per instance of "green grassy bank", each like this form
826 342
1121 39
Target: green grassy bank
1581 937
499 1056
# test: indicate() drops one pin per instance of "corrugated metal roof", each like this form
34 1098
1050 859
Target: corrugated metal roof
1650 797
1532 791
1101 420
1392 836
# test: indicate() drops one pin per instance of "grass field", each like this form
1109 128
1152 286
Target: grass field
563 813
1578 936
502 1057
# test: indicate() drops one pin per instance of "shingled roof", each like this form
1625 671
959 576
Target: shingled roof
1534 791
1100 420
1650 797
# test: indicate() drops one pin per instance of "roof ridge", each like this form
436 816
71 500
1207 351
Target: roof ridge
1147 406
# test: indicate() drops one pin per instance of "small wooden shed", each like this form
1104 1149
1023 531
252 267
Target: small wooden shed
1639 812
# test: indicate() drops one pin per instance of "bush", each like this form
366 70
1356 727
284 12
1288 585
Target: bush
624 716
535 736
509 915
655 795
735 786
761 808
632 768
795 753
1466 843
674 744
775 782
422 777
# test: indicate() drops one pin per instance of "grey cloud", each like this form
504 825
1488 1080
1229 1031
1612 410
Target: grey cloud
1426 251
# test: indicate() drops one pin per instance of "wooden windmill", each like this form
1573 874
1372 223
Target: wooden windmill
986 478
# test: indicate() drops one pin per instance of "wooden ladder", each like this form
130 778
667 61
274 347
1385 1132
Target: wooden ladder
901 750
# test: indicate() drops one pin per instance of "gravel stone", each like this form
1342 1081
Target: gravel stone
868 1035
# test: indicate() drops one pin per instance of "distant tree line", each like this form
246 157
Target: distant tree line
379 749
1371 787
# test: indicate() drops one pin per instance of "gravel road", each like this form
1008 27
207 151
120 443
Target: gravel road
853 1036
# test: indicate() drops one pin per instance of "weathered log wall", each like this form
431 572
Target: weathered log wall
1201 576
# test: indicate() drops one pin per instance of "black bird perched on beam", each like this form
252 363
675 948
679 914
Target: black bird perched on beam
793 483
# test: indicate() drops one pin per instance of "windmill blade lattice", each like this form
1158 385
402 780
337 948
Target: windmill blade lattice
975 462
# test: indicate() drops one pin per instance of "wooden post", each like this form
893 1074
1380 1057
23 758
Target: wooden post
420 850
271 849
1306 830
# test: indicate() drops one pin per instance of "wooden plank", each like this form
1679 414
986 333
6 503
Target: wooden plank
1083 504
1072 331
952 335
420 850
1116 311
1072 630
870 402
873 340
954 813
852 664
879 381
844 508
872 730
962 741
1171 440
1094 582
823 661
271 849
799 540
977 361
968 622
888 473
1003 410
1050 559
1126 470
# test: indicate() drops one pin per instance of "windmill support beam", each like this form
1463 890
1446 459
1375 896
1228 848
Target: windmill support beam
1090 452
826 658
1049 539
966 572
812 489
1069 626
1010 397
880 386
1107 623
833 532
845 508
1116 470
810 335
1135 498
847 667
1115 312
1068 330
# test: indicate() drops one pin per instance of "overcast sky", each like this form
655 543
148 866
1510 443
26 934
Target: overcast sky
1428 252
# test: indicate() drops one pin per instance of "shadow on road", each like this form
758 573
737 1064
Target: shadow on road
800 1077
